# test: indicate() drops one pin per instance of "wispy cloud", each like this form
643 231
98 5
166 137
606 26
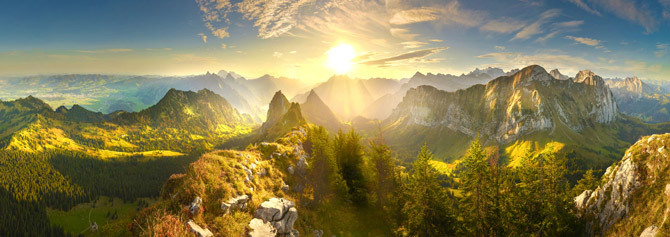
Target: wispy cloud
105 51
584 40
415 56
415 15
498 47
560 28
277 54
666 8
626 9
412 44
402 33
662 50
536 27
214 12
503 25
203 36
581 4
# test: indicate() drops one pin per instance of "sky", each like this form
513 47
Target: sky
392 38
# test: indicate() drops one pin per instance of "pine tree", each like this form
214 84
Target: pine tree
324 173
427 209
349 155
383 166
478 206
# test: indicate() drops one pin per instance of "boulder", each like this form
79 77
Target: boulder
278 213
259 228
290 169
199 231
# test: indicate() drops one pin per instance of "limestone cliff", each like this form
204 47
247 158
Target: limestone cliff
510 106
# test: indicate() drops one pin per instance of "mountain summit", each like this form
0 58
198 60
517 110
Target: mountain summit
510 106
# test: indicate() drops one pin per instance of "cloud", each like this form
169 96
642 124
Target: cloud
293 52
627 10
662 49
412 44
402 33
584 40
560 28
501 48
415 15
581 4
436 40
203 36
412 56
277 54
105 51
274 18
536 27
453 13
666 8
223 46
503 25
214 14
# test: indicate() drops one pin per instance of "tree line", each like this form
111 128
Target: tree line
484 198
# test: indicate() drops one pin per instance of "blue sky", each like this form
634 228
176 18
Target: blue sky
392 38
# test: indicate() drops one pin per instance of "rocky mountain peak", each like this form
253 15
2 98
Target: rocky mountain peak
529 101
588 77
558 75
279 105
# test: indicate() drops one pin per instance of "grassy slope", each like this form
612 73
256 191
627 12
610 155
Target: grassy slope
76 220
216 177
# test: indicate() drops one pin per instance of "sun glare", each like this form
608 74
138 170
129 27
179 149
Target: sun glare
339 58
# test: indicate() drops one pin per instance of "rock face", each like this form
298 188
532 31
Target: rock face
510 106
274 218
557 75
279 105
639 176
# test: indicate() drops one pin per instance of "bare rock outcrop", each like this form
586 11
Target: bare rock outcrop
274 217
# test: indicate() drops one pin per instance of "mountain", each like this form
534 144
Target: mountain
346 97
200 110
317 112
557 75
526 110
633 194
382 107
492 72
510 106
80 114
279 105
639 99
282 117
182 121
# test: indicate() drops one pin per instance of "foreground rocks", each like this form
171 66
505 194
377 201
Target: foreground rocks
199 231
633 193
274 217
234 204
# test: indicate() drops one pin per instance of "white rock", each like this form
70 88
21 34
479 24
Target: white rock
650 231
199 231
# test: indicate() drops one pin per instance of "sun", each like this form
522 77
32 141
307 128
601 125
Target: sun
339 58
